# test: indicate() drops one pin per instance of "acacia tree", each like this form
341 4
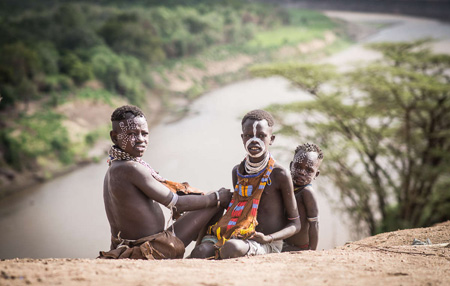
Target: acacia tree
385 130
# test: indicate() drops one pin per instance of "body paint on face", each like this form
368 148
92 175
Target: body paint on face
260 142
131 124
310 160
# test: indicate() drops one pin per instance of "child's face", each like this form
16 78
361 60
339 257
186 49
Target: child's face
256 136
304 167
131 135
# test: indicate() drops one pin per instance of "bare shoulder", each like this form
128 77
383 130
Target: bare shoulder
127 169
118 166
280 172
281 178
308 193
234 171
234 174
309 201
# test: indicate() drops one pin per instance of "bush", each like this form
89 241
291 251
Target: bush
121 74
130 35
72 66
41 134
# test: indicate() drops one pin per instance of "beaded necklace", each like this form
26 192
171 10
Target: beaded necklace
300 188
253 168
115 154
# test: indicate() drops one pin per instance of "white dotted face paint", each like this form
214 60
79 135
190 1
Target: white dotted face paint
255 139
131 124
309 158
304 167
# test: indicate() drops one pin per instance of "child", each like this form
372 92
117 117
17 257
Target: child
304 169
132 192
263 210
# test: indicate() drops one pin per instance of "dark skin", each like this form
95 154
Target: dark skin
276 205
304 169
132 196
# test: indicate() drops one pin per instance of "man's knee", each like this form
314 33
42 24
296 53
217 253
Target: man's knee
203 250
234 248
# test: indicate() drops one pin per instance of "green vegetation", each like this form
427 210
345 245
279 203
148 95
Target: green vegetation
53 52
70 44
384 129
41 135
300 26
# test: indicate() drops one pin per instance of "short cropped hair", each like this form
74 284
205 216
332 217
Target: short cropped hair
259 114
309 147
121 112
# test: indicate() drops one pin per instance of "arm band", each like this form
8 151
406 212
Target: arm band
173 201
218 198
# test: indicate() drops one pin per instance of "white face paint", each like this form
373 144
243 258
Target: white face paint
304 167
131 124
260 142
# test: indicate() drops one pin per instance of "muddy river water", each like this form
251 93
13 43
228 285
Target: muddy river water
65 218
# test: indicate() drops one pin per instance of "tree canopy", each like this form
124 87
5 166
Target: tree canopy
384 128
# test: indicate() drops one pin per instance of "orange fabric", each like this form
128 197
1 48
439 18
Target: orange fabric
181 188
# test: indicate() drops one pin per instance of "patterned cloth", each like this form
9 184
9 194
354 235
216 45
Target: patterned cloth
240 219
163 245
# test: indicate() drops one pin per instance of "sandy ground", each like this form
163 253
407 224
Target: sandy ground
384 259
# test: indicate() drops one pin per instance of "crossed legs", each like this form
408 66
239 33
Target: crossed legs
233 248
189 225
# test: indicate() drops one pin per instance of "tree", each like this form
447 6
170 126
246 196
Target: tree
384 128
18 67
128 34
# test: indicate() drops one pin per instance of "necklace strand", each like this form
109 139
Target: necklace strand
116 154
253 168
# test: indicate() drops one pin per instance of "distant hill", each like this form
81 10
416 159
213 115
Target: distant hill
14 6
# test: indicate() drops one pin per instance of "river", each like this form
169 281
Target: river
65 218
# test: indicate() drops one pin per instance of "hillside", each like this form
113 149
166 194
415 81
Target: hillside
78 60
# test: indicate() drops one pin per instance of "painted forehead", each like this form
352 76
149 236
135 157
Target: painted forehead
310 158
251 124
131 123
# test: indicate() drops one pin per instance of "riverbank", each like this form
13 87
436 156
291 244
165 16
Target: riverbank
384 259
184 83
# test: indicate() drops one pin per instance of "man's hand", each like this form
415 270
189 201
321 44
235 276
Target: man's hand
261 238
225 197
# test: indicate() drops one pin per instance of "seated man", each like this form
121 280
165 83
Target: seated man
304 169
263 210
132 192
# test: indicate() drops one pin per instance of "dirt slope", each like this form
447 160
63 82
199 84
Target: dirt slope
384 259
